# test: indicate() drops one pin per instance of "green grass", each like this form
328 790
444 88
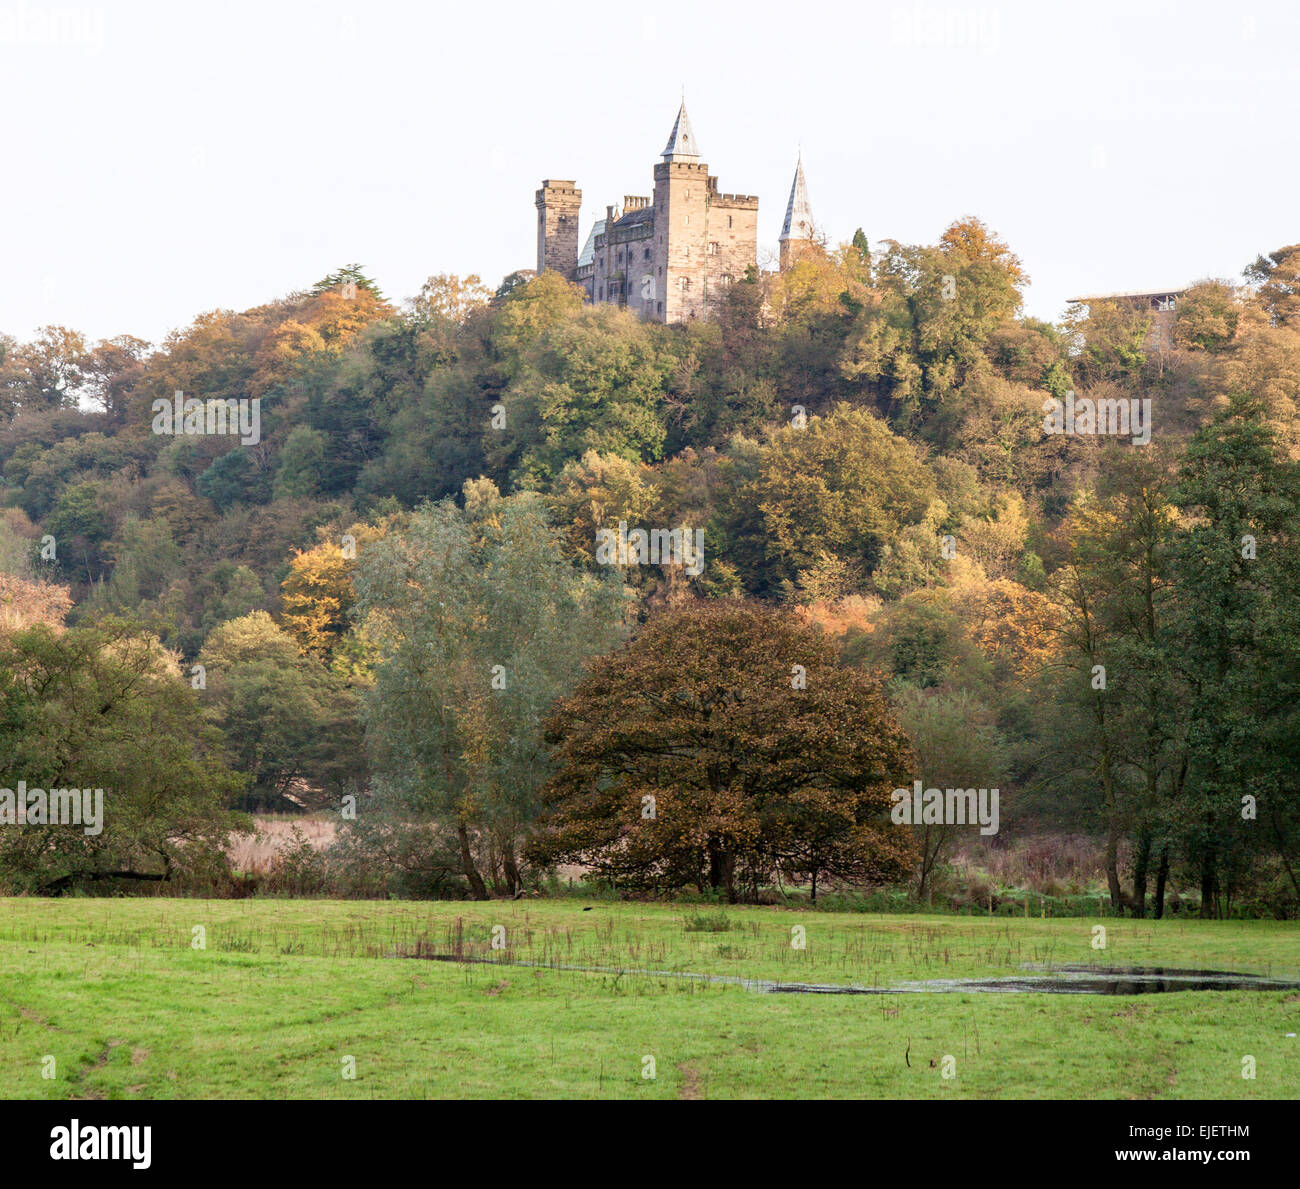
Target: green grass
285 990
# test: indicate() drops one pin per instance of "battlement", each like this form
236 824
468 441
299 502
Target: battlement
668 255
666 169
739 201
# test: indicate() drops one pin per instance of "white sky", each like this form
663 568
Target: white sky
165 158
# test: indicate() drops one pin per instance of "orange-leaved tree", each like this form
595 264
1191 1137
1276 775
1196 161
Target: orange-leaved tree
721 745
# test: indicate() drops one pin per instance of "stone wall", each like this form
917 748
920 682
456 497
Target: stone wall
732 245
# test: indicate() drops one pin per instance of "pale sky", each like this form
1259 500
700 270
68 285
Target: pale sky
166 158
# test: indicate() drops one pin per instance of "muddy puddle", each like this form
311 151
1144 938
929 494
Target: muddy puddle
1088 980
1036 980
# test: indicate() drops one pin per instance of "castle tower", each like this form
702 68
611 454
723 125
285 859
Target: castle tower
666 257
558 205
681 217
797 234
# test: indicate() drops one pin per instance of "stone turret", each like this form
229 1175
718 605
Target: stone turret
558 206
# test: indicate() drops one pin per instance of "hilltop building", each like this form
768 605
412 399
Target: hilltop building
1162 304
668 254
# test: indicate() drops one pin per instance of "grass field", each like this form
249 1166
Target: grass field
285 992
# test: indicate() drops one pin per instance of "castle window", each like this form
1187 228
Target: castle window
728 220
684 283
713 249
688 218
602 293
647 253
661 307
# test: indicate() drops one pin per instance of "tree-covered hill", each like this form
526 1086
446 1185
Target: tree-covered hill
1104 628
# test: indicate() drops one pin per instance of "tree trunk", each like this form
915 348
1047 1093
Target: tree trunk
477 888
1280 834
514 880
1209 886
1117 897
715 867
1162 877
1110 801
1141 864
56 886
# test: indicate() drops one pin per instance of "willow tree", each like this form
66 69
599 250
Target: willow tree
476 624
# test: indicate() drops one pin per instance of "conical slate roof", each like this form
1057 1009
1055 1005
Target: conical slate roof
798 213
682 144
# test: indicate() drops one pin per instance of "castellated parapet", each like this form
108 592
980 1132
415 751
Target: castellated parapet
668 255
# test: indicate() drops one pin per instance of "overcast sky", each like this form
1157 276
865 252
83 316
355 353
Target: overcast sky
162 159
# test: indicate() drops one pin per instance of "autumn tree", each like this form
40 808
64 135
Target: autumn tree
842 485
722 744
924 334
1110 340
450 298
597 491
1208 314
317 594
47 373
1276 277
111 370
24 603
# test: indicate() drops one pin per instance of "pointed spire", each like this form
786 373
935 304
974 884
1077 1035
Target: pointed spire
798 212
682 145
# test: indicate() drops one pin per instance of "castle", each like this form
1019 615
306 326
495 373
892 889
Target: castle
667 256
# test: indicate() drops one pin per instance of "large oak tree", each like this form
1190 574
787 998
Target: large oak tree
721 745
